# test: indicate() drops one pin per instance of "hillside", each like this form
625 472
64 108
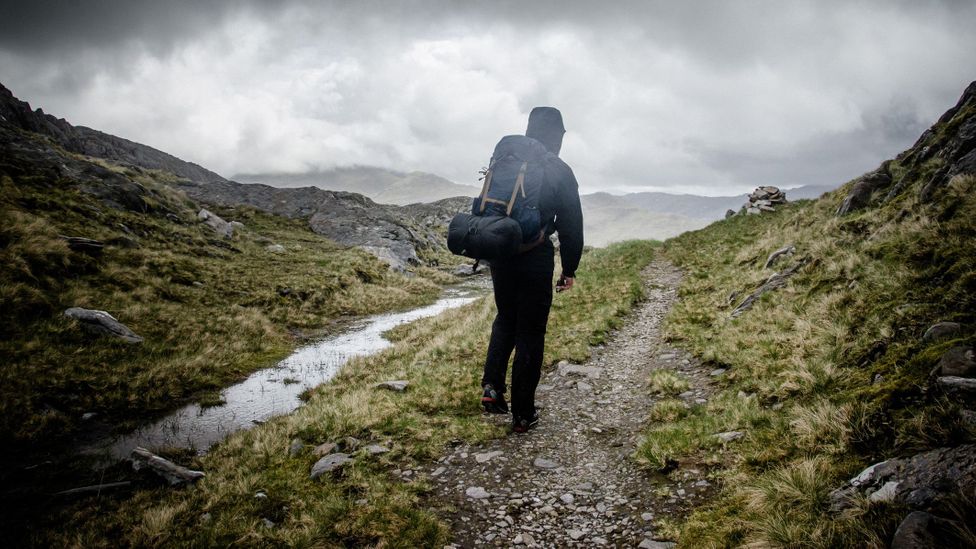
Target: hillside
846 359
381 185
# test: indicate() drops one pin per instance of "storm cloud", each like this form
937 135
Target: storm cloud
705 97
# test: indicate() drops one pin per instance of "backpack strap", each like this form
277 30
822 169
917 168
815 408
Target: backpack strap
487 185
519 184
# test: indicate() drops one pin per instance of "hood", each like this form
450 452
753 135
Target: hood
546 126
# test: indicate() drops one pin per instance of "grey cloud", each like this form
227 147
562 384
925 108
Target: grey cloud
707 95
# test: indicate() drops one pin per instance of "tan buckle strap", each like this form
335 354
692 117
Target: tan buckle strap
519 182
484 188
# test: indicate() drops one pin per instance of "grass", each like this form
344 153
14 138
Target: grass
825 375
668 382
210 309
364 504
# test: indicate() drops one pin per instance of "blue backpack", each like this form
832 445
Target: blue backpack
505 219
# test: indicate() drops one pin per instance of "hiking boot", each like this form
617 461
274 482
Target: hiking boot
523 424
493 401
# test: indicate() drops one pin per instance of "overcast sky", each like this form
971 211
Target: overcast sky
703 97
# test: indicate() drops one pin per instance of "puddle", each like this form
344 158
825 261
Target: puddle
274 391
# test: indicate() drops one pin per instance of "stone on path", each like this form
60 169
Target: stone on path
543 463
564 369
717 372
487 456
329 463
652 544
574 534
477 492
398 386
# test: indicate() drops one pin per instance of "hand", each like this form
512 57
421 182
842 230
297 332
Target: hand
564 283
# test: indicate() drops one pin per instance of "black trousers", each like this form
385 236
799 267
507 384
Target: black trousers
523 296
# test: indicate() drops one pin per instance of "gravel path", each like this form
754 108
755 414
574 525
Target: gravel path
573 481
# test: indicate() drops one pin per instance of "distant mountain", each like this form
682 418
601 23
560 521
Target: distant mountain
382 185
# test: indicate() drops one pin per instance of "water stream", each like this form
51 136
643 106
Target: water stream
275 391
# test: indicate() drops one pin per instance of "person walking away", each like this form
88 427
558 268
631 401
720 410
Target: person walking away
523 283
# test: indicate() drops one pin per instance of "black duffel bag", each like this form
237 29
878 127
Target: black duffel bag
484 237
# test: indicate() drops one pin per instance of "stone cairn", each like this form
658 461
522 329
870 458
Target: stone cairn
763 199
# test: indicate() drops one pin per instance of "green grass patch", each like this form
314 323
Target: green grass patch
668 382
832 365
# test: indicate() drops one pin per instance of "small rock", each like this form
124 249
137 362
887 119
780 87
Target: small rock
267 523
296 447
398 386
324 449
584 387
568 499
438 472
260 495
88 415
329 463
574 534
543 463
487 456
275 248
729 436
601 507
477 492
375 449
102 323
647 517
717 372
214 221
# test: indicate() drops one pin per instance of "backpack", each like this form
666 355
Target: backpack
505 219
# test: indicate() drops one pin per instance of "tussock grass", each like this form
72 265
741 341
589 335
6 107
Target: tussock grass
364 504
834 360
668 382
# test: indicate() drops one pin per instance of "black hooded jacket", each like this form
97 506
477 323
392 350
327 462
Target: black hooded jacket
560 203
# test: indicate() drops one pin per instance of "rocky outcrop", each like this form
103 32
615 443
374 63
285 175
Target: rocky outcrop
923 481
394 234
174 474
864 189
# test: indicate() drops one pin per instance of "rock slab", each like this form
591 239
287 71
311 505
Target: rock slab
102 323
328 464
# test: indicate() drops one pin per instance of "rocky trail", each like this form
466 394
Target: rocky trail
573 480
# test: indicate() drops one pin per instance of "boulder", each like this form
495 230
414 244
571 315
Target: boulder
941 330
275 248
958 362
920 529
922 481
100 322
215 222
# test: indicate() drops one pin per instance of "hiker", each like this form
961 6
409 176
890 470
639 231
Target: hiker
523 282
